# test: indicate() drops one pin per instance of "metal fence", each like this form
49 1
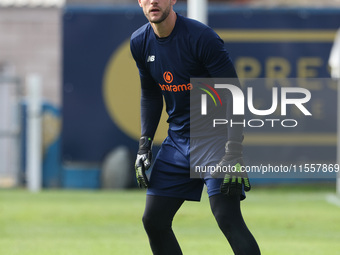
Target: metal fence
10 131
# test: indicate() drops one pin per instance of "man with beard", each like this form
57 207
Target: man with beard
168 50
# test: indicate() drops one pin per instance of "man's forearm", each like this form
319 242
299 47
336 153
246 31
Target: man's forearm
151 110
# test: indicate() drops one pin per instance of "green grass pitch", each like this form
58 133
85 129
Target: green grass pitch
286 220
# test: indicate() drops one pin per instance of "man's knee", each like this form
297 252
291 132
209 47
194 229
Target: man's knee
153 223
147 222
224 221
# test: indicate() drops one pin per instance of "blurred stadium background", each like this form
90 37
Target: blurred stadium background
90 98
89 117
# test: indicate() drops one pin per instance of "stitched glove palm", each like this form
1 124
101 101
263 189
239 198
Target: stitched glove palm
234 179
143 161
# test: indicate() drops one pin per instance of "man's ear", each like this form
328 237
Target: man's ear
140 3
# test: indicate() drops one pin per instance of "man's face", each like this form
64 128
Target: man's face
156 11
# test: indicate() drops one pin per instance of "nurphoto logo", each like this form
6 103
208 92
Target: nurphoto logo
288 96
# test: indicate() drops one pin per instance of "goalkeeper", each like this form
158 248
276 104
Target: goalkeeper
168 50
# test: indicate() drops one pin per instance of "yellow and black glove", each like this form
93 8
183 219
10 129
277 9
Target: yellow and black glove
143 161
235 178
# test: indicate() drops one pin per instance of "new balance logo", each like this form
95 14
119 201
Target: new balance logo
151 58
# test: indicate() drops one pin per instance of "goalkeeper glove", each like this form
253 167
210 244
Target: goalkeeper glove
143 161
234 179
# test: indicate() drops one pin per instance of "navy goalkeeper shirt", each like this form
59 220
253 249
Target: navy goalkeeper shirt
166 66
